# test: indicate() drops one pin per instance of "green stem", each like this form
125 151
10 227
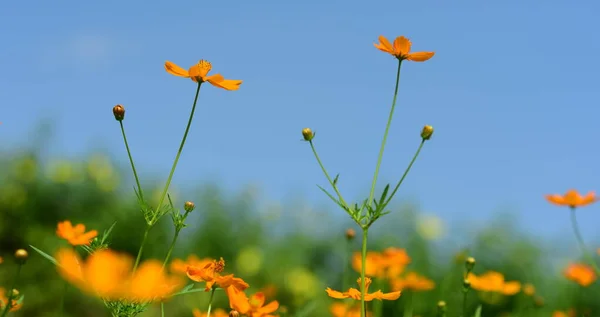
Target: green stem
137 180
405 172
8 303
62 299
408 305
363 290
464 304
162 309
171 247
387 129
164 193
312 146
581 243
212 294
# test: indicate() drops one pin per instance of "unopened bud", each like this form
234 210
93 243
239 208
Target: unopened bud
470 263
21 255
307 134
234 313
466 284
441 308
119 112
350 234
15 293
189 206
427 132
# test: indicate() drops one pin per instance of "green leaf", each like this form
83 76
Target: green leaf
384 194
44 254
478 312
335 180
107 232
332 198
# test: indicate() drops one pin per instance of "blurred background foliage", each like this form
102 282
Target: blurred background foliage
291 249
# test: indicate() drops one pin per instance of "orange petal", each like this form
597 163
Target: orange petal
335 294
270 307
401 46
238 300
391 296
217 80
173 69
69 265
420 56
195 273
384 45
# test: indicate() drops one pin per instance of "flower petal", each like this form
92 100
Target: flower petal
384 45
336 294
420 56
173 69
217 80
401 46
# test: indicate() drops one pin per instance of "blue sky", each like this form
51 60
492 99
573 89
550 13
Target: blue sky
512 93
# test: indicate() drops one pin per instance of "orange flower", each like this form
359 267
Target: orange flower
4 299
215 313
338 309
389 263
210 274
569 313
529 289
356 294
254 307
401 49
572 198
493 282
2 260
199 74
412 281
180 266
75 235
107 274
581 274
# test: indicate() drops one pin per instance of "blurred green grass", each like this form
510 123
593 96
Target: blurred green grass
299 251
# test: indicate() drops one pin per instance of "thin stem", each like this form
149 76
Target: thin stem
8 304
408 307
171 247
362 271
581 243
137 180
162 309
406 172
312 146
141 250
385 134
62 299
464 304
212 294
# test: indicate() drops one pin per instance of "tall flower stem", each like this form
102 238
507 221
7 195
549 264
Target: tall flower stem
464 304
210 300
406 171
408 304
137 179
363 308
171 247
8 303
166 189
385 134
312 146
581 243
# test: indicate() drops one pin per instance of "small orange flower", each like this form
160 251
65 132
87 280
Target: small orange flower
389 263
401 49
4 300
529 289
572 199
199 74
75 235
215 313
493 282
338 309
581 274
253 306
180 266
211 274
569 313
107 274
412 281
356 294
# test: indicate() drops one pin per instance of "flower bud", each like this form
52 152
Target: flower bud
119 112
307 134
234 313
15 293
441 308
466 284
189 206
427 132
350 234
470 263
21 255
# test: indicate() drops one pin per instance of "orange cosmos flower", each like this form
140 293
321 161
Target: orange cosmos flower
75 235
581 274
338 309
215 313
493 282
211 274
401 49
572 198
253 306
412 281
14 306
107 274
356 294
199 74
569 313
180 266
389 263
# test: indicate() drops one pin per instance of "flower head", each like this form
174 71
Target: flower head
493 282
76 235
572 199
412 281
199 74
215 313
401 49
338 309
356 294
581 274
180 266
253 306
389 263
